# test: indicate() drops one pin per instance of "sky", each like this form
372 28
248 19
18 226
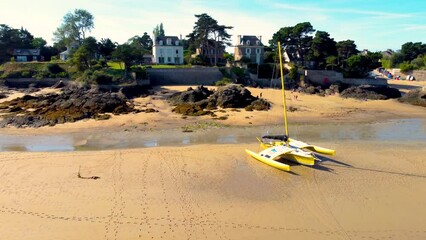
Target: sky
375 25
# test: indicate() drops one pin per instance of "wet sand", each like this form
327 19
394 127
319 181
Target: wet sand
369 190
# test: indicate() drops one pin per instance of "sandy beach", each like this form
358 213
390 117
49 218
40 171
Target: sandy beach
369 190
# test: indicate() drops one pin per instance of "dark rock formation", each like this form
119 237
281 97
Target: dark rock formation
199 101
232 96
370 92
71 105
190 95
415 97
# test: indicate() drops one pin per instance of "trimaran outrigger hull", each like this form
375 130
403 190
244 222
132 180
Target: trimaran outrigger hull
301 145
281 146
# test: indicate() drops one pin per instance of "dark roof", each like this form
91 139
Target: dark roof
26 52
292 52
164 39
253 40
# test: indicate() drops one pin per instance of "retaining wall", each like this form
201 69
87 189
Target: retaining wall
184 76
323 77
26 82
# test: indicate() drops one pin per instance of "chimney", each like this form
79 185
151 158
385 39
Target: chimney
238 39
260 38
180 37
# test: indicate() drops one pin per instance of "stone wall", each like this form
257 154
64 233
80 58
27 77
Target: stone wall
184 76
26 82
323 77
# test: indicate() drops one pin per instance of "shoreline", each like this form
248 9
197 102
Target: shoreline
311 109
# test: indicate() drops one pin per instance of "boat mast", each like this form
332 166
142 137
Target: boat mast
283 90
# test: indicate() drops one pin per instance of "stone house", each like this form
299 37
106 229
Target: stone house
26 55
250 47
213 52
167 50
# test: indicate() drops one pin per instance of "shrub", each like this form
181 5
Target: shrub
62 75
54 68
42 74
225 72
101 77
140 72
240 72
26 74
15 74
405 67
224 81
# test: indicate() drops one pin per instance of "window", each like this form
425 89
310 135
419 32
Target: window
177 43
177 51
258 50
177 60
160 60
34 58
248 51
257 42
169 59
21 58
160 42
248 42
169 41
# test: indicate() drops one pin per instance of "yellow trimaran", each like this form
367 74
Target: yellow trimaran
277 147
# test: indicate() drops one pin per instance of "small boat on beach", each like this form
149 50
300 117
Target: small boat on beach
279 147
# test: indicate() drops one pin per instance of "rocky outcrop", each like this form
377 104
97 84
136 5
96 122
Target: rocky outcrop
370 92
200 101
71 105
415 97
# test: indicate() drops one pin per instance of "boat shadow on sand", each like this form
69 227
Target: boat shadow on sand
329 165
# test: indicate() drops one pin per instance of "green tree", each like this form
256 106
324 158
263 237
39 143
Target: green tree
410 50
322 47
126 54
331 62
298 36
386 62
38 43
106 47
209 35
158 31
345 49
83 56
74 27
358 66
142 43
11 39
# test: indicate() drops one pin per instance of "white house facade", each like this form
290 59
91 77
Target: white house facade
167 50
